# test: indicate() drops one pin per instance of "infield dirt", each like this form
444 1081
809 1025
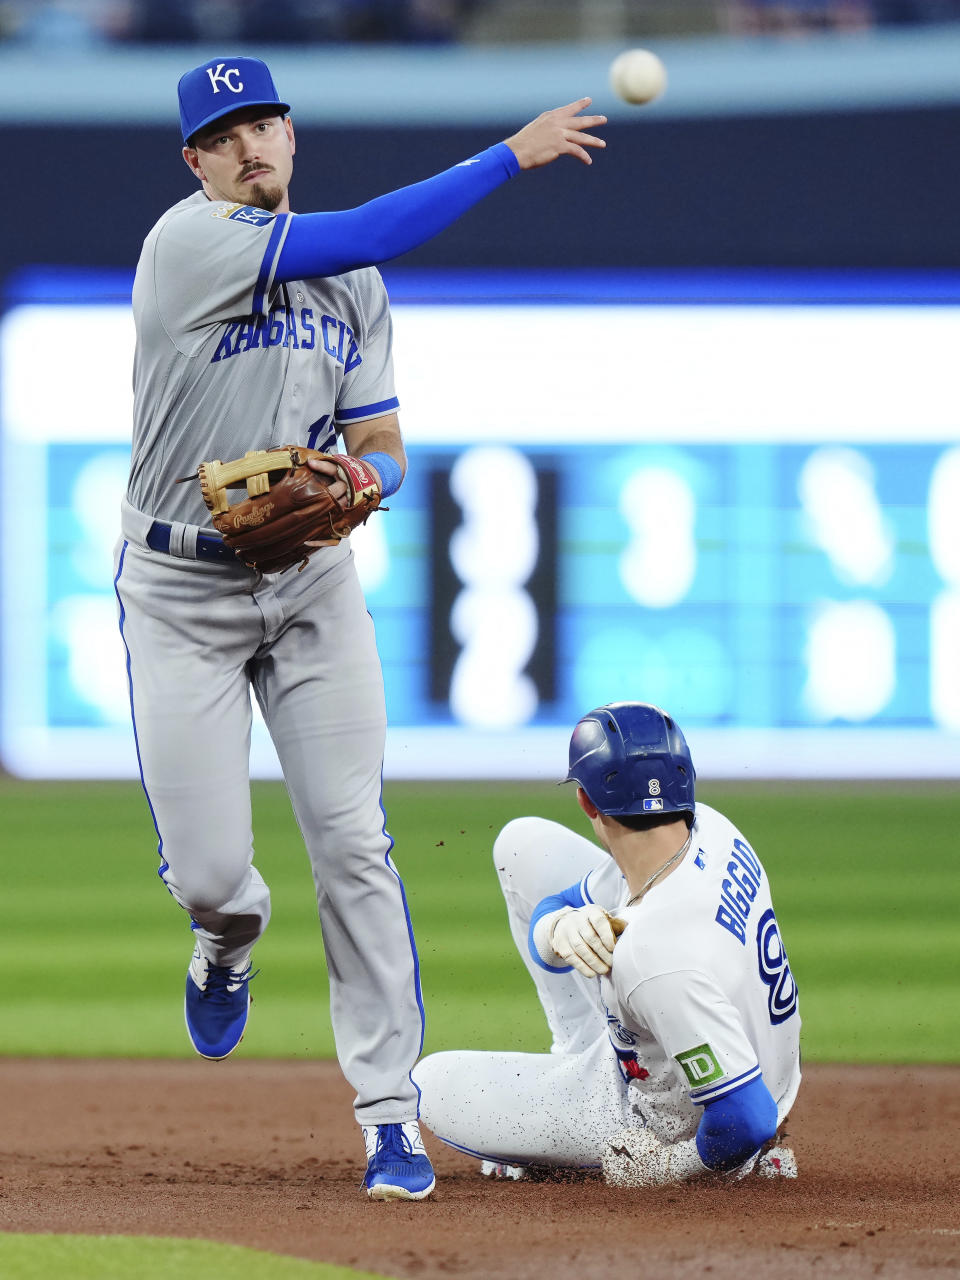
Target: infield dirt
267 1154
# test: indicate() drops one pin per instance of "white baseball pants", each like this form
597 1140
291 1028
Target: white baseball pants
551 1108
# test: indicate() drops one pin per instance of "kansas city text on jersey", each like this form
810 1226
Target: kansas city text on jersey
285 327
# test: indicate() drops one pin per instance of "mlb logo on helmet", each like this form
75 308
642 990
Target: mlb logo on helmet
649 804
220 86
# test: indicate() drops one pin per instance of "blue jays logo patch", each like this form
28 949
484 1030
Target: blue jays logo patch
243 213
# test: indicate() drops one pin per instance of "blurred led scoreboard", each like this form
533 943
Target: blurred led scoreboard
737 496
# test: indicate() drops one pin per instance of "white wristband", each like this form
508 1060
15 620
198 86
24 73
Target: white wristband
543 937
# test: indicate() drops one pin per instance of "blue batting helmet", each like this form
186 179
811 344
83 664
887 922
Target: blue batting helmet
631 759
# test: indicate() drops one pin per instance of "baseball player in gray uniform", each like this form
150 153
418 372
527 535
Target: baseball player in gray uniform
257 328
662 973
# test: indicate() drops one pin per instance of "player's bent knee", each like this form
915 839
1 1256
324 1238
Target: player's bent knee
520 838
202 890
525 857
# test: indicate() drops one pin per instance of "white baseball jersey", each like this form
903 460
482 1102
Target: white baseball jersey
229 360
700 999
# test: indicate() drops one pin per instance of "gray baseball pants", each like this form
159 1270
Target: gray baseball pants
199 636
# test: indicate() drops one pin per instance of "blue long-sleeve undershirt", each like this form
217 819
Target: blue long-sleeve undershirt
735 1126
326 244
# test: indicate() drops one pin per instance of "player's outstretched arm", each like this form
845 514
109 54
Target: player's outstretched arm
563 131
324 244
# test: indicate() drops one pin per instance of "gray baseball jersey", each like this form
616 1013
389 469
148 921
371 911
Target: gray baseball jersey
229 359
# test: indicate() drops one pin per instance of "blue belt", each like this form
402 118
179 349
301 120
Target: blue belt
209 546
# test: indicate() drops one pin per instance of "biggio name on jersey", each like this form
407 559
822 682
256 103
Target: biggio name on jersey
738 890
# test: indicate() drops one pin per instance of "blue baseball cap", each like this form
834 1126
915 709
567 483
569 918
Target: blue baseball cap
220 86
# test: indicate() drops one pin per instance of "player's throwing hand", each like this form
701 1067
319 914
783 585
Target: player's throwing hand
560 132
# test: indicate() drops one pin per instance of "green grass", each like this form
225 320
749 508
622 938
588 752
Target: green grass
93 950
38 1257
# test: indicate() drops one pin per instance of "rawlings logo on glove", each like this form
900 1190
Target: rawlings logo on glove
244 519
289 510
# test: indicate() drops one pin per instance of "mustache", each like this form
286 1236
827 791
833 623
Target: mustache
254 168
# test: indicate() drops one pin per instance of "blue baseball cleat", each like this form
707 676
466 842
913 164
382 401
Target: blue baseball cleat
398 1167
216 1005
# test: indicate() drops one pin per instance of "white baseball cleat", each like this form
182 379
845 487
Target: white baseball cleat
778 1162
496 1169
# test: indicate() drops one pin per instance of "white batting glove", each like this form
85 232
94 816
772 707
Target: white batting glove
583 937
637 1158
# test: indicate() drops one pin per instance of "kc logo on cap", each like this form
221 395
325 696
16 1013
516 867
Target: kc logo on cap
218 76
222 85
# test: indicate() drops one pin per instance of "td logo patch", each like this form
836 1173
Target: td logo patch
700 1065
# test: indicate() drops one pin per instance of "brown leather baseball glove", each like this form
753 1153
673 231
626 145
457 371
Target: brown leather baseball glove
289 510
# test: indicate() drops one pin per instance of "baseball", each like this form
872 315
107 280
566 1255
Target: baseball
638 76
